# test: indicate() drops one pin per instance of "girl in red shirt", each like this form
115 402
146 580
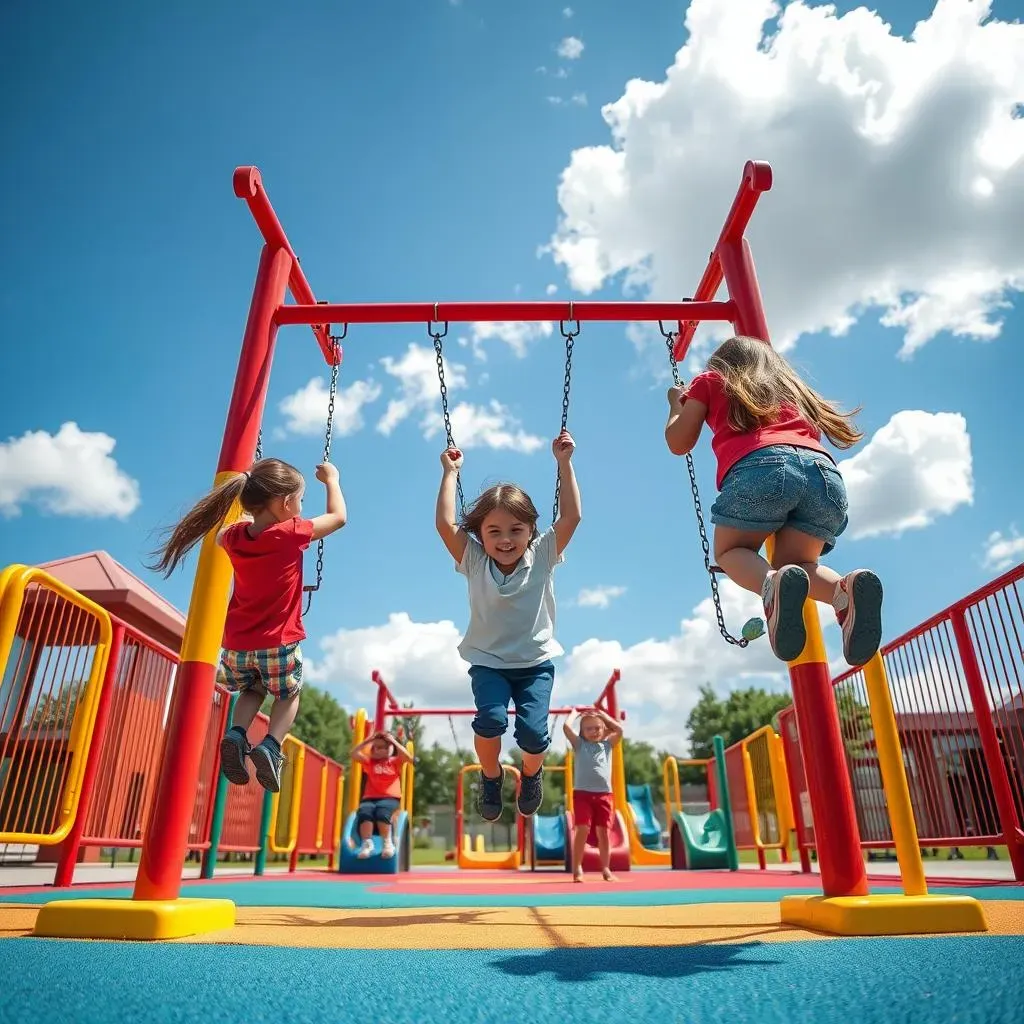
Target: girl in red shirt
382 756
775 477
263 629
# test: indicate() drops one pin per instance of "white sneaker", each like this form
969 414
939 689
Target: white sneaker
366 850
784 593
858 605
388 850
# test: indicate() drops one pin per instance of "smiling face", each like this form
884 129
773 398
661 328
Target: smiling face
504 537
380 749
592 729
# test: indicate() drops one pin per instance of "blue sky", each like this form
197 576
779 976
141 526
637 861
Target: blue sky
413 152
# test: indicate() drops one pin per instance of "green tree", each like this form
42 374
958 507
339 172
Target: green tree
323 724
740 714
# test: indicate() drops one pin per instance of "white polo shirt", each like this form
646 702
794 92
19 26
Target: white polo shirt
511 621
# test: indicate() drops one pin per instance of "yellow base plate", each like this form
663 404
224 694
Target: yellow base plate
133 919
884 915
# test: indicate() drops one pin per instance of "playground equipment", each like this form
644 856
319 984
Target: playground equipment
641 807
701 840
545 836
479 856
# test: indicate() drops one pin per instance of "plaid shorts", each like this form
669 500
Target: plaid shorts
277 671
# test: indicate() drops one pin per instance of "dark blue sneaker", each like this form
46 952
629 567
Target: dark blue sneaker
268 760
490 803
531 793
234 749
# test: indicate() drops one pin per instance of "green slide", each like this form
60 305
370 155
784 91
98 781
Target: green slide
702 841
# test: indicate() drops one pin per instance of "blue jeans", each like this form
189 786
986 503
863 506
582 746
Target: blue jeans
528 688
378 811
783 485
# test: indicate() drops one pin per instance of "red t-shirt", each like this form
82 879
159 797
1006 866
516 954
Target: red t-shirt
730 445
383 779
266 602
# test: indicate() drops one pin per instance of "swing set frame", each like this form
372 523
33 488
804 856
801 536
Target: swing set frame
156 909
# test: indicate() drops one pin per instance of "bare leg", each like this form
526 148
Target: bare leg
365 830
532 763
282 717
384 830
795 548
604 848
488 753
247 707
579 844
736 551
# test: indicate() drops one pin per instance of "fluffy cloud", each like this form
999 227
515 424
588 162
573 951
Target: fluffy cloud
517 334
577 99
570 48
899 167
416 373
914 469
1002 552
598 597
68 473
483 426
567 12
305 411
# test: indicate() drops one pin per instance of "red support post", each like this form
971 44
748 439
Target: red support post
166 839
738 267
72 844
1008 820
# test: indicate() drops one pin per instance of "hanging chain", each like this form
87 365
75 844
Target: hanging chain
670 340
259 446
570 339
450 441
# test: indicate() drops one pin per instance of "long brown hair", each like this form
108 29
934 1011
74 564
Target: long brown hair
758 381
509 498
268 479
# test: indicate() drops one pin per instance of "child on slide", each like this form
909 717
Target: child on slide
510 640
382 757
592 800
776 478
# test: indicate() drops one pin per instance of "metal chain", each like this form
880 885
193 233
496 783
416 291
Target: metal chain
450 441
670 338
259 446
570 339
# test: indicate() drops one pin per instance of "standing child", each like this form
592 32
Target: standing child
510 640
263 628
592 800
383 792
775 477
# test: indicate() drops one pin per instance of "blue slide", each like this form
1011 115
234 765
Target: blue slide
546 844
647 827
350 864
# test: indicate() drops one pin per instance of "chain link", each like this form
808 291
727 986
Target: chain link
570 339
670 339
449 440
259 446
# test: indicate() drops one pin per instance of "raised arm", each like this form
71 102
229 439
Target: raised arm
614 727
400 750
337 514
570 733
569 509
685 418
455 540
357 751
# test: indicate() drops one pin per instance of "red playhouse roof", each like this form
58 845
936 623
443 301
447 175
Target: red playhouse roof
105 581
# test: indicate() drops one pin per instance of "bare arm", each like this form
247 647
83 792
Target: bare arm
455 539
337 514
614 727
357 751
569 510
400 750
570 734
686 417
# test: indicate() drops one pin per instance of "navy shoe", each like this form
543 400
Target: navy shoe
234 749
268 760
531 793
490 803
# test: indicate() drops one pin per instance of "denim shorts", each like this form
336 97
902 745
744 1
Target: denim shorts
783 485
528 688
378 811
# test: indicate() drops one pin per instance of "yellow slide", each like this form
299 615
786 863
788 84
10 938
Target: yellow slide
639 854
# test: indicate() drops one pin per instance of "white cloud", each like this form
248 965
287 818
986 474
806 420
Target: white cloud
577 99
305 410
567 12
598 597
517 334
551 289
898 163
1002 552
483 426
69 473
419 390
914 469
570 48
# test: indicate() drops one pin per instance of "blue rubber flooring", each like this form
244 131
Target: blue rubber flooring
971 980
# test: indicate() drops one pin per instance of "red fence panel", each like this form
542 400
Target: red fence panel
735 773
244 806
313 782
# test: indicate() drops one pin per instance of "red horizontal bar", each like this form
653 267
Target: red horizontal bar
417 712
482 312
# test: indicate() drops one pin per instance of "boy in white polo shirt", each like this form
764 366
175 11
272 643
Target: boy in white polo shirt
510 640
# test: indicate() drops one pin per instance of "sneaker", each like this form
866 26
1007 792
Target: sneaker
268 760
490 803
388 850
234 749
531 793
784 593
366 850
858 605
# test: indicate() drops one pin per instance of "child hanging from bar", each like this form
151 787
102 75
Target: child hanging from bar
382 757
776 478
261 655
510 640
592 800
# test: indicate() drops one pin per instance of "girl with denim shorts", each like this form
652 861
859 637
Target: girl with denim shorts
510 640
263 629
776 478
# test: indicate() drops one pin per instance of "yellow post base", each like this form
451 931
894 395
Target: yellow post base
133 919
884 915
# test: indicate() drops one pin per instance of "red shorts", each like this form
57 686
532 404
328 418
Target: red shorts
597 809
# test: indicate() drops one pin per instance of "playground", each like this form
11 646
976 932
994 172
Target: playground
746 887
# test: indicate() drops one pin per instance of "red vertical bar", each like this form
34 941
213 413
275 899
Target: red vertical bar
71 845
989 743
741 279
166 839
